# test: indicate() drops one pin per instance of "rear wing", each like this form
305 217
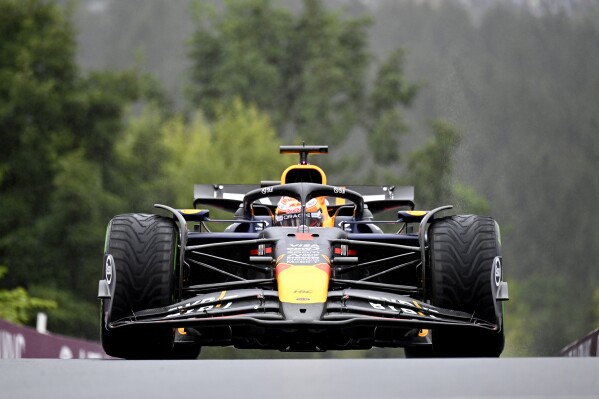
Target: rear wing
384 198
230 196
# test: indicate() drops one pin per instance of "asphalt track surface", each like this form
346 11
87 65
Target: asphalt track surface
290 378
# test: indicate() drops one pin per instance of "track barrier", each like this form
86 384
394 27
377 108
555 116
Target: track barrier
584 347
26 342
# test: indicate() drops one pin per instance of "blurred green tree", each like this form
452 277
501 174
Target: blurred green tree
37 75
57 159
309 72
384 121
431 171
231 149
17 306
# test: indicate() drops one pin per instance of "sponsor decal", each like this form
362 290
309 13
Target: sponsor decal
108 268
498 271
287 216
303 254
267 190
378 306
396 306
12 346
191 307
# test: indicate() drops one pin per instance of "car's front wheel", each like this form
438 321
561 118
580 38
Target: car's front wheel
142 250
464 250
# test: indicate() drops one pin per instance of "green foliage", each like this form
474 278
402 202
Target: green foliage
37 71
59 129
519 339
144 35
135 176
391 89
72 315
240 54
383 137
17 306
467 200
83 148
533 305
232 149
58 157
308 72
330 59
391 86
431 167
431 171
70 232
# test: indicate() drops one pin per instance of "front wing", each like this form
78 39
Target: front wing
349 307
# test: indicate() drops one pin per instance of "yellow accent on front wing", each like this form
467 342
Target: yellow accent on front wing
303 284
423 332
191 211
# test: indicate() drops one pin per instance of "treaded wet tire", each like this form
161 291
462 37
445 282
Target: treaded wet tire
144 249
462 252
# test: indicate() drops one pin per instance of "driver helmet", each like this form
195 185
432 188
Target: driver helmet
288 213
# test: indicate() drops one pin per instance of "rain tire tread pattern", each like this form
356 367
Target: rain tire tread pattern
462 252
143 247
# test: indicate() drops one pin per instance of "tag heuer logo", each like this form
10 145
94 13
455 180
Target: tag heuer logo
497 269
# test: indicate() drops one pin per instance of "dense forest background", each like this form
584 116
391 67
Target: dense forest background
111 106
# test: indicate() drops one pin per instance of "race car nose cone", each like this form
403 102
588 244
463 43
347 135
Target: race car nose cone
302 312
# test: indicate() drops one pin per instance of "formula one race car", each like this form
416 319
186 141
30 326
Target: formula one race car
302 266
